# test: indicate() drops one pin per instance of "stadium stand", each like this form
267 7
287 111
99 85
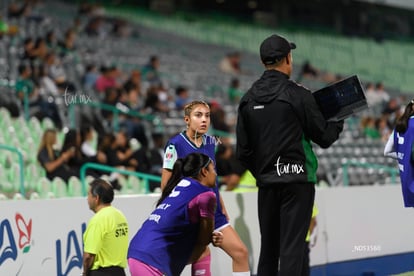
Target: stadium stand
189 55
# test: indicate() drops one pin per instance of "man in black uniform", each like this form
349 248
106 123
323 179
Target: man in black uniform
277 120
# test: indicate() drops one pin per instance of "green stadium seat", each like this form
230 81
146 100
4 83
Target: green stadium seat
34 195
74 187
59 187
18 196
44 188
135 184
47 123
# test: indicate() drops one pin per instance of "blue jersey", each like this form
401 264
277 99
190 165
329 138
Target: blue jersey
403 144
180 146
167 238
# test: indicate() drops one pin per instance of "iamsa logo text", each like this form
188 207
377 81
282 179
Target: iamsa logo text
15 238
70 256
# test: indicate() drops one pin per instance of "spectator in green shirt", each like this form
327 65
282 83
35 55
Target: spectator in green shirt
28 94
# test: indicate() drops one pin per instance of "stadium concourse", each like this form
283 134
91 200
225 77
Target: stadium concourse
122 41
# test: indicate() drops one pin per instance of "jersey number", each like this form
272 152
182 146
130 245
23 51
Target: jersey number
182 183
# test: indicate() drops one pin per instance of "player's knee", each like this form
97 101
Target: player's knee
241 254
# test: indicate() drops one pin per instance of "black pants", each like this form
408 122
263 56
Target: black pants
108 271
285 212
306 261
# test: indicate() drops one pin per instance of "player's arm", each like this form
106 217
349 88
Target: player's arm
204 205
170 156
389 149
165 175
204 238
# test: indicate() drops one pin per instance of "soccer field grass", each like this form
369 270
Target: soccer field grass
409 273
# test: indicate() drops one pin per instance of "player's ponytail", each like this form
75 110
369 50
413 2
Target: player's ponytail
401 124
190 166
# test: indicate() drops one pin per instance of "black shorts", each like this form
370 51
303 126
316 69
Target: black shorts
108 271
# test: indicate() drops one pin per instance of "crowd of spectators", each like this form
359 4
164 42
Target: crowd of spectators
43 82
44 85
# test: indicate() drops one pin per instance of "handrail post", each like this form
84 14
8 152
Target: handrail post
393 176
26 105
146 185
71 112
345 178
115 120
21 165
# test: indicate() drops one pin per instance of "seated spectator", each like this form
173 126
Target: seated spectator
234 91
391 107
150 71
14 10
383 128
28 50
90 77
218 118
95 27
118 152
131 97
231 63
47 85
153 102
134 81
107 79
40 49
111 97
27 91
51 40
54 165
371 95
67 46
72 141
368 125
129 101
58 73
87 147
24 11
182 97
309 71
381 93
156 157
77 25
120 28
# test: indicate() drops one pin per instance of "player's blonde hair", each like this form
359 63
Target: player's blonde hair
190 106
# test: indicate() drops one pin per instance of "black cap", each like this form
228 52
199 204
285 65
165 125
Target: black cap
274 48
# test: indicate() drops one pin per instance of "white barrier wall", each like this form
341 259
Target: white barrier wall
44 237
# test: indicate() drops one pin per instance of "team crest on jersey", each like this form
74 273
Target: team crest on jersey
170 152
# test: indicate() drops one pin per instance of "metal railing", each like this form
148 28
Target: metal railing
21 165
116 112
145 177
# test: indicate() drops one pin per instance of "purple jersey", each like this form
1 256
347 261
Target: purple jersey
167 238
180 146
403 144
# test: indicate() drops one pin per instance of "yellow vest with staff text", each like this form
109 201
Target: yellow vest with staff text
247 183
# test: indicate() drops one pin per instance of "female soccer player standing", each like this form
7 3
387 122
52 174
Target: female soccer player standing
195 139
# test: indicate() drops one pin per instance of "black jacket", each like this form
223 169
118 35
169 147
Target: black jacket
277 120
